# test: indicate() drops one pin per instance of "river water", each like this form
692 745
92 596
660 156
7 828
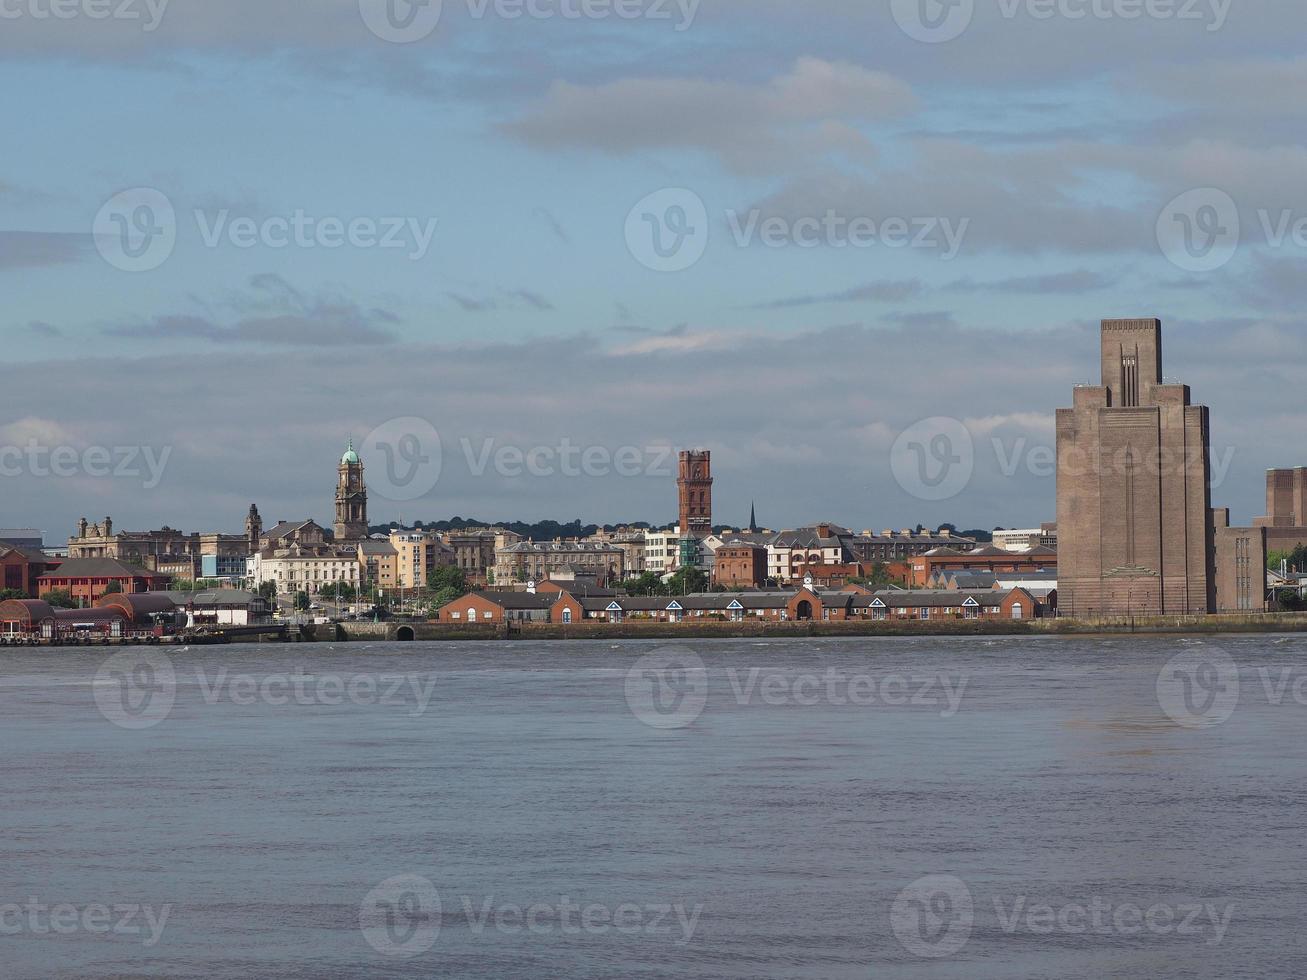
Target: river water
1069 807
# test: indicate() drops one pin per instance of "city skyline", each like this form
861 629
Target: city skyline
790 253
809 474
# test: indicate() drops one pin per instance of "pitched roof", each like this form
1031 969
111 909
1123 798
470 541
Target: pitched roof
917 598
31 554
287 527
515 600
100 568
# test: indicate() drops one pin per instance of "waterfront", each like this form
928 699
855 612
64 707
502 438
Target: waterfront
766 825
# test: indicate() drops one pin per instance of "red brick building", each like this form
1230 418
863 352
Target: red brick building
989 559
694 486
21 567
495 608
87 578
740 565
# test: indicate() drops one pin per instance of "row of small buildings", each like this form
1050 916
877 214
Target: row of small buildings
552 603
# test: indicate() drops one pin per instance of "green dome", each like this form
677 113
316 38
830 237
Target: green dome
350 457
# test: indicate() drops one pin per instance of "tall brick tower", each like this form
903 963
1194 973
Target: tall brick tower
351 498
694 482
1135 528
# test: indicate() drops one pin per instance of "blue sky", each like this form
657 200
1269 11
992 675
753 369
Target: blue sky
1053 148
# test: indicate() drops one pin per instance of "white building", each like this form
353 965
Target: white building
662 548
298 569
1026 538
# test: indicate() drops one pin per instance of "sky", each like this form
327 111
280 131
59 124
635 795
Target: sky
521 252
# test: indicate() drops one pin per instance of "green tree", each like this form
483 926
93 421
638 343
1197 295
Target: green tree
648 584
879 578
268 589
113 588
60 599
441 599
687 581
339 591
448 579
301 601
13 594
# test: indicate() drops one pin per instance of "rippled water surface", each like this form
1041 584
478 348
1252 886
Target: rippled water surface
898 807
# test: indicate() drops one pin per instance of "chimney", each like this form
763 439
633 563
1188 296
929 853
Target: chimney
945 533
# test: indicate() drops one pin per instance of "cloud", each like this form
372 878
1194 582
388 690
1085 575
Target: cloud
887 292
272 312
37 249
847 392
1078 281
749 127
517 299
